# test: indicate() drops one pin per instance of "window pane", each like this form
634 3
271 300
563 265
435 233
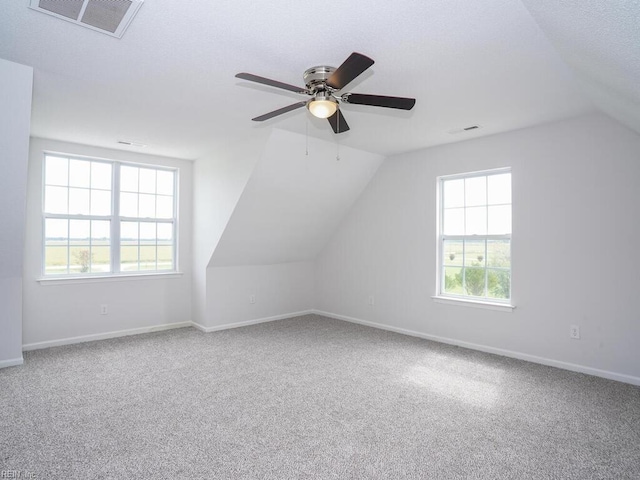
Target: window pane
56 231
79 231
80 259
129 204
499 284
165 231
475 191
500 220
147 257
164 206
147 206
147 180
165 257
101 175
100 202
128 257
100 258
55 260
499 189
56 171
79 173
79 201
165 182
453 193
474 253
147 232
165 246
453 280
129 231
56 199
128 179
499 253
454 221
100 231
452 253
474 281
476 221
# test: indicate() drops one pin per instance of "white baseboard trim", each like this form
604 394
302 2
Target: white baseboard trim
12 362
103 336
620 377
246 323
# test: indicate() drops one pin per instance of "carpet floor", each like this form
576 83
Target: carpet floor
308 397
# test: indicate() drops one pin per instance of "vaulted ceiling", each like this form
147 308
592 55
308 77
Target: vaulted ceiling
169 82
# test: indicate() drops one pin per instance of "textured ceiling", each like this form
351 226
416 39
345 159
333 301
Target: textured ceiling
600 41
169 82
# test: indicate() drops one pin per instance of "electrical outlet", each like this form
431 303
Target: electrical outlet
252 298
372 300
574 332
104 309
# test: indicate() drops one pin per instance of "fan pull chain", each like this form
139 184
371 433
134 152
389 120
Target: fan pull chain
338 138
306 137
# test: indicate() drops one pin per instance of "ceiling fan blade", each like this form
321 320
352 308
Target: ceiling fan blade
280 111
272 83
349 70
338 123
401 103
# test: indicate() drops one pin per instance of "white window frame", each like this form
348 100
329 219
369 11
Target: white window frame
114 219
451 298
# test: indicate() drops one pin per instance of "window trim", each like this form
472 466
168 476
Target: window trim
466 300
115 220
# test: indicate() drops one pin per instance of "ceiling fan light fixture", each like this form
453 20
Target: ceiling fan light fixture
323 105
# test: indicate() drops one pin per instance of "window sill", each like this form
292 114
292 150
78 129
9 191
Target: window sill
108 278
463 302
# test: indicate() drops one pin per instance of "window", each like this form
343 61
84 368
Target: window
107 218
475 236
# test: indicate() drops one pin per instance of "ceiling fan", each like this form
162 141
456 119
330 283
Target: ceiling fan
323 84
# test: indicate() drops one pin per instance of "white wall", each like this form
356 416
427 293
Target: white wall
218 181
15 116
293 201
284 217
575 247
278 291
56 312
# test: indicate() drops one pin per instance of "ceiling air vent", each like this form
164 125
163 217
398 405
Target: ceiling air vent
107 16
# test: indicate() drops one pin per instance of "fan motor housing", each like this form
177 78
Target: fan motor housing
315 78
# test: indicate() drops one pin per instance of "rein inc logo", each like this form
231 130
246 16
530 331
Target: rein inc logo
17 474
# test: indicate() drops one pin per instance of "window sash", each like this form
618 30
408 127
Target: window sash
464 267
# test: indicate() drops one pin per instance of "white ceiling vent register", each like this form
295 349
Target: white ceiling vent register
107 16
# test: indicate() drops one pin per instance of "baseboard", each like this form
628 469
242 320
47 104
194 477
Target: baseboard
246 323
12 362
103 336
620 377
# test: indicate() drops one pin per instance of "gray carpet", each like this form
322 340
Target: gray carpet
309 397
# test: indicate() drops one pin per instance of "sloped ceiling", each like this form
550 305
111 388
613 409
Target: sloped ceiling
600 41
297 195
169 82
